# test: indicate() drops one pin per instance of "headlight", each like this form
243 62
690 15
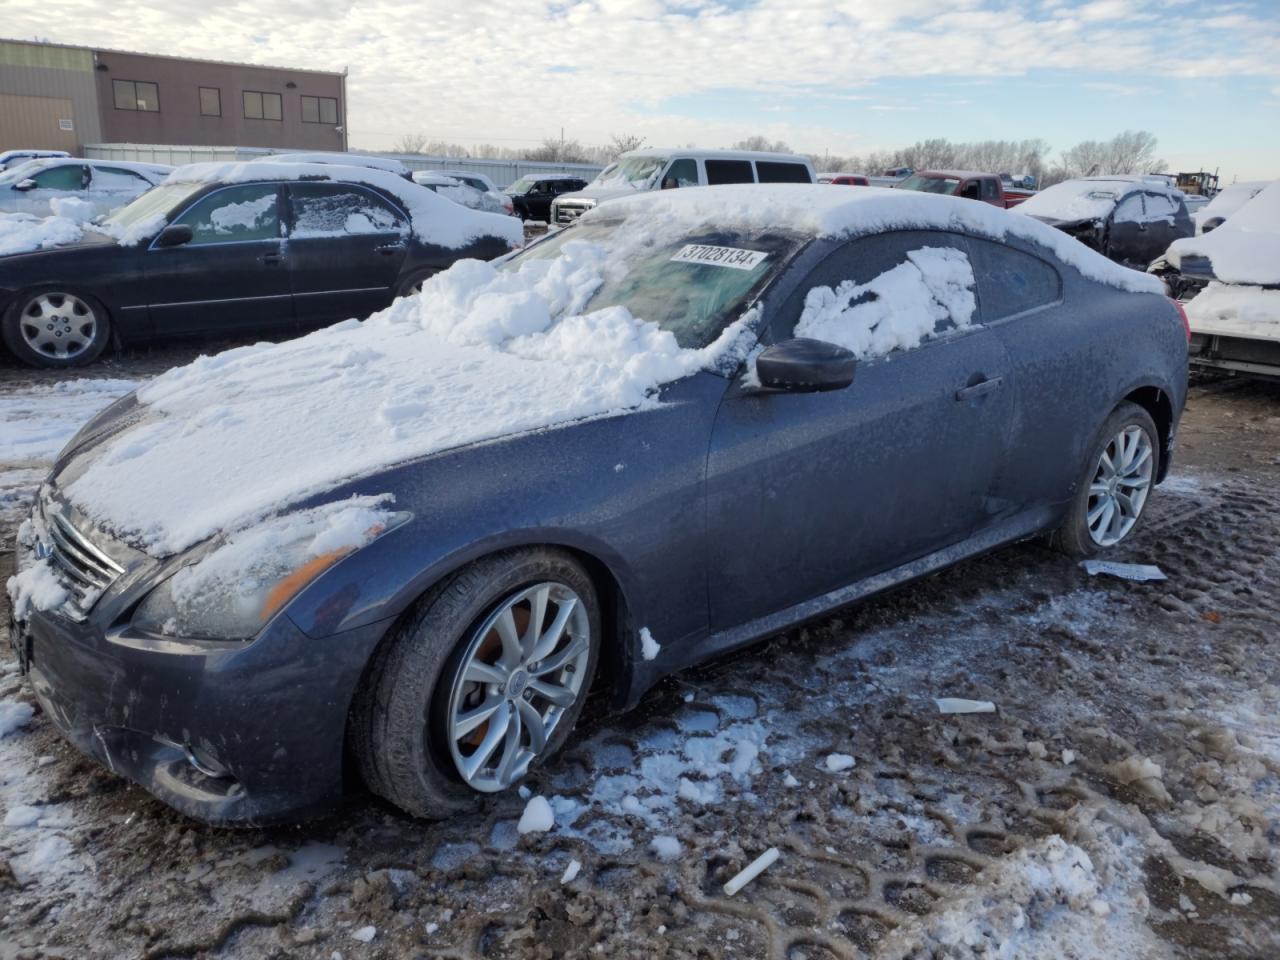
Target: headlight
231 593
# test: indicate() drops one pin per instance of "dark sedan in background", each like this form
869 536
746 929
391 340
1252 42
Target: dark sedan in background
265 248
780 477
1131 220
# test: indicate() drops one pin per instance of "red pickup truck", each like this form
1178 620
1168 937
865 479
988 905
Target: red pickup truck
964 183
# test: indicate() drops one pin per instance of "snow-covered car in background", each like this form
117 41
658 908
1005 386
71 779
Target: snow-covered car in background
1130 219
1227 201
386 164
478 181
666 169
236 248
11 158
459 192
425 538
104 185
1230 281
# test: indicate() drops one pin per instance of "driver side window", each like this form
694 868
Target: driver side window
235 215
67 177
886 293
681 173
1130 210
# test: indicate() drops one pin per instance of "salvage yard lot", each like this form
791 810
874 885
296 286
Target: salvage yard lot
1124 799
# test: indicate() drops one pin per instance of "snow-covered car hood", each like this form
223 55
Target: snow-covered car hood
1245 249
480 354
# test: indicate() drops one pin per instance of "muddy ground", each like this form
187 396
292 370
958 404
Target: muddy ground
1123 800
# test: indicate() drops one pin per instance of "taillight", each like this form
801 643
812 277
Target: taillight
1186 324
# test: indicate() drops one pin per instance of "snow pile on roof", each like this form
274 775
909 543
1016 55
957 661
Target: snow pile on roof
435 219
481 353
1235 310
897 309
817 209
1048 901
20 233
1245 249
1079 199
1230 199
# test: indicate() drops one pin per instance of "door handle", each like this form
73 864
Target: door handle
271 258
980 389
387 249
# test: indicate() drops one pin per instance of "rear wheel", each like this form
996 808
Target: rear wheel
484 682
56 328
1115 485
413 285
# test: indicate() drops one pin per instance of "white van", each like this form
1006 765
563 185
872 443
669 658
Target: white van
657 169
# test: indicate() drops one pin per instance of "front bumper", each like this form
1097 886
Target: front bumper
230 733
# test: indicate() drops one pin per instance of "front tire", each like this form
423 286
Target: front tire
56 328
1115 485
484 681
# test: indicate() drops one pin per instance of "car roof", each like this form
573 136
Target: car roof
715 154
390 164
551 176
431 176
958 174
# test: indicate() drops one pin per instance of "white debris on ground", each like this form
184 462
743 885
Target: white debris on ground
13 715
537 817
896 310
961 705
666 847
1048 901
39 421
839 762
1126 571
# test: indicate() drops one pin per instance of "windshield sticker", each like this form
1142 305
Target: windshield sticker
720 256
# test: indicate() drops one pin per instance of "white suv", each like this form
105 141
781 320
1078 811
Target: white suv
656 169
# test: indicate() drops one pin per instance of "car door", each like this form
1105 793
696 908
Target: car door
346 246
808 492
232 276
1162 220
113 187
539 200
1127 236
66 180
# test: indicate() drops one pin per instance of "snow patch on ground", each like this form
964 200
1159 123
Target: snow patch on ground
39 421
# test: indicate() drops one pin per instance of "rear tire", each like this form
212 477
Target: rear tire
55 328
1114 486
410 725
413 285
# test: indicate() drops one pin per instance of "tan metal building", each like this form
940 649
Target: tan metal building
59 97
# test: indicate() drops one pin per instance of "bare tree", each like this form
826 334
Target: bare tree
621 143
410 143
1133 151
762 144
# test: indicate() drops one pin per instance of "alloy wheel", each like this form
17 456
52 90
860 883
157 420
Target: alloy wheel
523 668
1120 486
58 325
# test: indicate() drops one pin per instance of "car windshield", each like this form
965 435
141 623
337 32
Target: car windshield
691 283
930 184
523 185
158 201
1075 200
636 171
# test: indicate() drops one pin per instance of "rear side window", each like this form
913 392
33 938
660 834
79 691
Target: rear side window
66 177
235 215
729 171
990 190
881 294
117 178
1010 281
772 171
339 210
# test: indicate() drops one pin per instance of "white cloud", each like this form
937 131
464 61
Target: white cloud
472 74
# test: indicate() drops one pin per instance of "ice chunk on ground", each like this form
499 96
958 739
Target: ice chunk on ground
648 646
1126 571
1142 773
839 762
537 816
22 816
666 848
13 715
960 705
571 872
364 934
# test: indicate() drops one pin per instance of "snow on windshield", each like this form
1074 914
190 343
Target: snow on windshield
1246 248
898 309
636 173
1075 200
483 352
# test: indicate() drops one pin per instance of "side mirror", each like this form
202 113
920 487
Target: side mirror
805 366
25 185
1212 224
174 235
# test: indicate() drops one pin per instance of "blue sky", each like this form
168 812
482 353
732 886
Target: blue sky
841 75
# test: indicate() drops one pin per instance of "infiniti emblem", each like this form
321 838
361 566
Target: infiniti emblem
43 550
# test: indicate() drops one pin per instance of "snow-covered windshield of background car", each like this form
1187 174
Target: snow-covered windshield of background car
946 185
156 202
691 284
634 171
522 185
22 171
1076 200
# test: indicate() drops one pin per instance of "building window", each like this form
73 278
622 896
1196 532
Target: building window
319 110
136 95
210 102
262 106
